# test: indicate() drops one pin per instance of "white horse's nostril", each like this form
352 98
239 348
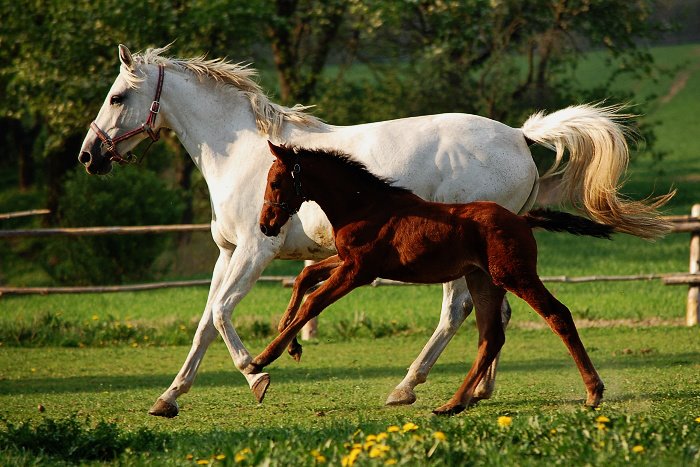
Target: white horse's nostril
85 158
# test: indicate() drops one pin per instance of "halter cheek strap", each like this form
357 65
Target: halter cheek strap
284 206
110 144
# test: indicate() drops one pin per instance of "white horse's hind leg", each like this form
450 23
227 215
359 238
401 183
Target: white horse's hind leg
166 405
456 306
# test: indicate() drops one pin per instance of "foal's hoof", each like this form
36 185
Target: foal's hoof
449 409
164 409
295 351
593 399
260 386
401 396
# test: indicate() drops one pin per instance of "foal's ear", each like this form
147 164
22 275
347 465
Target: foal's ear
125 57
282 152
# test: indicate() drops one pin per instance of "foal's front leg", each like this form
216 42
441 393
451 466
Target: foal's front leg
309 277
343 280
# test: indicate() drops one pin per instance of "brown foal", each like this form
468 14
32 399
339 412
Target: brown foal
386 231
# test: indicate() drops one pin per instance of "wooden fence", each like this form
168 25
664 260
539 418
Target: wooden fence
681 224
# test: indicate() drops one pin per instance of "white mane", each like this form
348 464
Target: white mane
269 116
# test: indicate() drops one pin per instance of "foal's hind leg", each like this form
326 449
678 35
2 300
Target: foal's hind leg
559 319
456 306
488 300
309 277
488 383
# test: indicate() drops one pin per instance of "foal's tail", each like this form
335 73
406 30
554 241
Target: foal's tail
594 137
558 221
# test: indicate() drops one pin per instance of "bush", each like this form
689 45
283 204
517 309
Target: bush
73 439
133 196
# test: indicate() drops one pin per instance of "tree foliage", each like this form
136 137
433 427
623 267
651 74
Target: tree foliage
498 58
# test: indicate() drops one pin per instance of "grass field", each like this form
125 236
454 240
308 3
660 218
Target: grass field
652 376
95 363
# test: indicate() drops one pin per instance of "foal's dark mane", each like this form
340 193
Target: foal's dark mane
352 168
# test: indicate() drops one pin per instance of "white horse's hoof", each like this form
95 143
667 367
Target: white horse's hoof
260 386
164 409
401 396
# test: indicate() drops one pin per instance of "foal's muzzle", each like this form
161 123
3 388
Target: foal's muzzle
269 231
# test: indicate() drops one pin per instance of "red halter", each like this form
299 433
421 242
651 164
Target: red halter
111 144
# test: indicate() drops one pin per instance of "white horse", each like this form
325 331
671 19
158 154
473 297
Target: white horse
224 120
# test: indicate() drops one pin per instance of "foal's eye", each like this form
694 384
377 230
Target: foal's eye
274 185
116 99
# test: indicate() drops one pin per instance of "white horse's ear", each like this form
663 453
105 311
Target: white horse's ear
125 57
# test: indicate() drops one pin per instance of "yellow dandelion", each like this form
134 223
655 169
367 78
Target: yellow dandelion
203 462
220 457
376 452
316 454
601 426
602 419
242 454
391 462
504 421
439 435
382 437
394 428
368 444
352 457
189 457
95 317
371 438
357 446
697 419
638 449
553 431
135 344
410 426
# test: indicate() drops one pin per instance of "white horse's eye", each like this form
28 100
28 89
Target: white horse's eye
116 99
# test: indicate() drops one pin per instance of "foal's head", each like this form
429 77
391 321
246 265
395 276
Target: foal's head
283 195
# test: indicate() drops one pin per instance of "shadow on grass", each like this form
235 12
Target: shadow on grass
99 383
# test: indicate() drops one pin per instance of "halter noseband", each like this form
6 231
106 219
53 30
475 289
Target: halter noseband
111 144
296 171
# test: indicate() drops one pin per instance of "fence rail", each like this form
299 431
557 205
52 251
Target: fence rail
681 224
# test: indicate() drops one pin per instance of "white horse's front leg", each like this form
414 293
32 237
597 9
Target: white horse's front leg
246 265
456 306
166 405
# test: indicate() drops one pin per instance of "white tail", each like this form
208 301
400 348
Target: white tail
594 137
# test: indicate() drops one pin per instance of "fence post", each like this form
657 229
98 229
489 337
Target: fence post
692 316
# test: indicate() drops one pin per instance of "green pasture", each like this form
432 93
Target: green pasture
95 363
333 400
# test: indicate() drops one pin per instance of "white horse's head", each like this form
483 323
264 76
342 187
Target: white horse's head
129 114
